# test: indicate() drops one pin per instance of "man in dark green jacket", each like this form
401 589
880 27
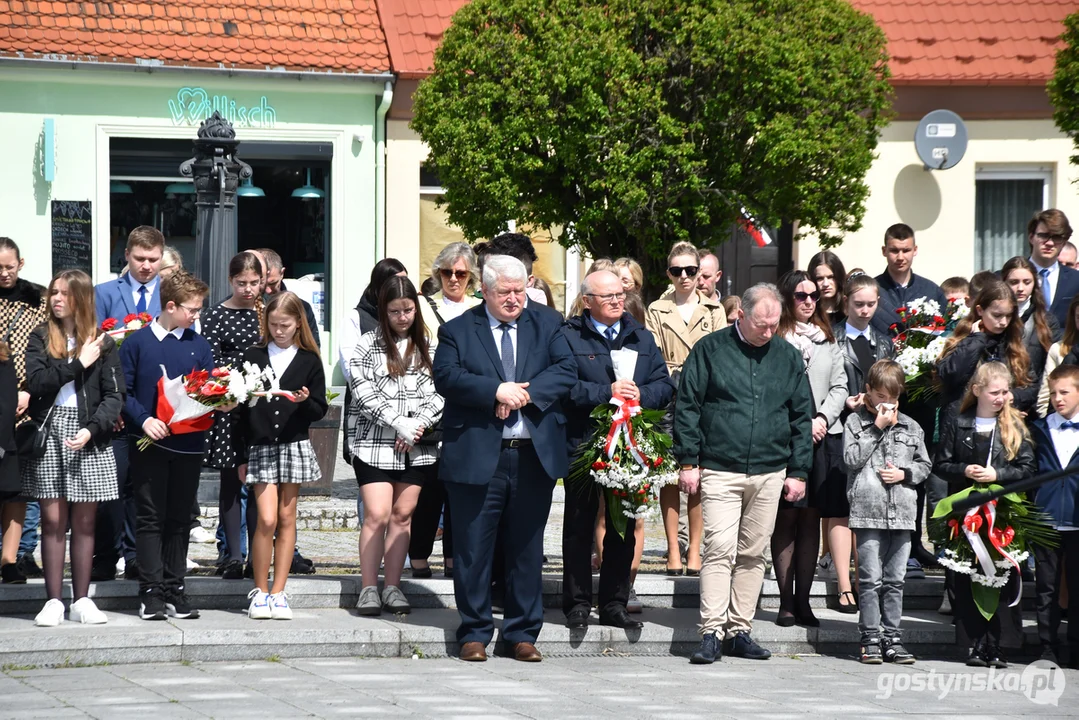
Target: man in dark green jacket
743 436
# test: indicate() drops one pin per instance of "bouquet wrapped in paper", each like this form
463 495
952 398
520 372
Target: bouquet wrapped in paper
628 457
132 322
920 335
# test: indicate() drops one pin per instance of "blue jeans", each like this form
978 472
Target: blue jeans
28 542
882 569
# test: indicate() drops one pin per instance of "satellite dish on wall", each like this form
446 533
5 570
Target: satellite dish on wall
941 140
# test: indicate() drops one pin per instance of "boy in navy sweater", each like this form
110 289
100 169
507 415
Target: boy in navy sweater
1056 441
164 476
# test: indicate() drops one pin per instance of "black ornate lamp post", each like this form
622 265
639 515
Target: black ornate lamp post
217 172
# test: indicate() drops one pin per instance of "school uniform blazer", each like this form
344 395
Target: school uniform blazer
1066 289
468 371
278 420
1056 498
114 299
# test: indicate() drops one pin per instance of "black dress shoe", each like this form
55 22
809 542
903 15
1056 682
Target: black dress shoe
577 619
10 575
131 570
806 618
301 565
102 573
619 618
29 567
421 573
233 570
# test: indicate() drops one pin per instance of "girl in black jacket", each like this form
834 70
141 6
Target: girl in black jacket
280 456
991 332
1040 327
987 442
76 393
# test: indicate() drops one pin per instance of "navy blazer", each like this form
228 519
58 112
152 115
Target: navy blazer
114 299
468 371
1056 498
1067 288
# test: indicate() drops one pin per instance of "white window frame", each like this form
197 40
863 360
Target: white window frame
1020 172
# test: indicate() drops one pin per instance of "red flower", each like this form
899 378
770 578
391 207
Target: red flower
220 372
213 389
657 462
144 317
616 458
129 318
599 465
108 324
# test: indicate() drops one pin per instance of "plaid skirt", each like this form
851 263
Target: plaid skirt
289 463
86 475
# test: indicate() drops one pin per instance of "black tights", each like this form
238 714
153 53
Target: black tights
795 544
228 510
55 514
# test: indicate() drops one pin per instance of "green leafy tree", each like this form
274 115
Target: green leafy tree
638 123
1064 87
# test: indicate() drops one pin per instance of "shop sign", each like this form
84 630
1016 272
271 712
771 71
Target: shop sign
192 105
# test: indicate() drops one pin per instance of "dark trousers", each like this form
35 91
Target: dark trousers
429 508
1049 563
519 492
1004 629
577 531
114 533
165 484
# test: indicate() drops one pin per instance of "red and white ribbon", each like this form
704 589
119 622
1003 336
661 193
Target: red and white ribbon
1000 539
622 424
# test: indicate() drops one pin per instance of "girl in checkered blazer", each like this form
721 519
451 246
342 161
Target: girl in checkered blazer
394 451
76 390
280 456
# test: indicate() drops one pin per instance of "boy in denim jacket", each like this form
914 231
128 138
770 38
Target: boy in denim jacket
886 458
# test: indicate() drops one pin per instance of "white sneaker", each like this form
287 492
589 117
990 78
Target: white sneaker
192 565
85 611
199 534
279 609
825 566
259 609
51 615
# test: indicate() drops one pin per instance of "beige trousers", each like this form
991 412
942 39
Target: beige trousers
739 516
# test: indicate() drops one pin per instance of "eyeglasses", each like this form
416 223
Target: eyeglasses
610 298
449 273
689 270
193 312
803 296
1051 237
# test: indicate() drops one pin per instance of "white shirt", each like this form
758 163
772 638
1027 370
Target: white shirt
66 397
686 311
1050 279
151 288
161 333
1026 305
602 329
281 358
518 429
853 332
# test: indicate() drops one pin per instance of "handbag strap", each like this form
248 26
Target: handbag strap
14 322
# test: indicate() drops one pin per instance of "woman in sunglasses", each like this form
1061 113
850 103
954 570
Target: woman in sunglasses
678 320
456 280
796 538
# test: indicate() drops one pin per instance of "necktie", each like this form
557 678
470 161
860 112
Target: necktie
1044 272
1069 425
141 306
509 365
864 352
611 334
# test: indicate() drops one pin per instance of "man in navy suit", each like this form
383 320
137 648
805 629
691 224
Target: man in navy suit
504 370
1048 231
137 290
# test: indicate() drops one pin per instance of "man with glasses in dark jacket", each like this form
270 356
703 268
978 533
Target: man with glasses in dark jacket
603 326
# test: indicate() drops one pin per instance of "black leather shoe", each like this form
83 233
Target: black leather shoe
102 573
301 565
131 570
743 646
710 650
577 619
620 618
29 567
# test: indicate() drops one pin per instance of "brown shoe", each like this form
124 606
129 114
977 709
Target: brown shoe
473 652
526 652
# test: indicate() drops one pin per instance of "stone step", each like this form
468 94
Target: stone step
229 635
341 591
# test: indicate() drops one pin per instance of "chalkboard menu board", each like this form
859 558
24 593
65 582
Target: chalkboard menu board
72 236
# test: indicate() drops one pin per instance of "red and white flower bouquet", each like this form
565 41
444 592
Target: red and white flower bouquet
187 403
132 322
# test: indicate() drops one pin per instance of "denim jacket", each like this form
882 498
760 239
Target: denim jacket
867 450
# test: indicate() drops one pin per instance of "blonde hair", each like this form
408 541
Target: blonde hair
634 269
1013 431
290 304
684 248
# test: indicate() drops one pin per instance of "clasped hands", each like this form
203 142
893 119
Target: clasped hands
510 396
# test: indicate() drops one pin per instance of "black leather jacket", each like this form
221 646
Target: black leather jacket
956 450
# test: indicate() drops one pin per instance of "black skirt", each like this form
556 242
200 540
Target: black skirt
827 489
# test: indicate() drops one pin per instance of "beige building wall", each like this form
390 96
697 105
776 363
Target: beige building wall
939 205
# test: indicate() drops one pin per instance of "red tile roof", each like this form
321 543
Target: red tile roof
413 30
342 36
970 42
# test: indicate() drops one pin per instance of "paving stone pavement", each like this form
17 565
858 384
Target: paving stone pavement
559 688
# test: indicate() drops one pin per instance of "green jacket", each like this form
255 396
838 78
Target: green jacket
744 409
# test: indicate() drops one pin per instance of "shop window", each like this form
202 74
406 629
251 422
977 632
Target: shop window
1004 201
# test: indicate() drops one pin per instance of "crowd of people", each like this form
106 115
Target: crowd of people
467 400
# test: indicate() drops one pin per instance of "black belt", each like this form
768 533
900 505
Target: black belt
516 443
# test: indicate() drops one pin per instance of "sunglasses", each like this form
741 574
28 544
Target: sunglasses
803 296
448 273
689 270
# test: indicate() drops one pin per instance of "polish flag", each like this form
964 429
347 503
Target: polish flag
748 223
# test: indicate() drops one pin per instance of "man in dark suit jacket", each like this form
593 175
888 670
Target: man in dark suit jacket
1047 232
604 326
137 290
504 370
